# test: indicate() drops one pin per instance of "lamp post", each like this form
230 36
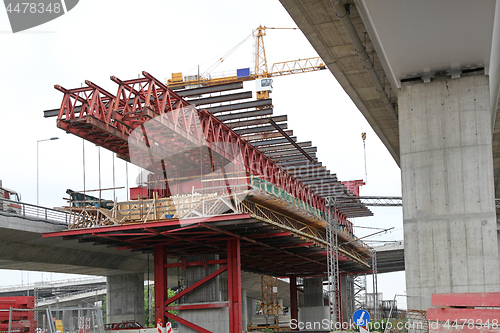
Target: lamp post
37 182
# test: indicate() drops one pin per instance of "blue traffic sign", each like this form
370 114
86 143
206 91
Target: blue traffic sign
361 317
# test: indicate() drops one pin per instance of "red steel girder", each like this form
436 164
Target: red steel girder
109 120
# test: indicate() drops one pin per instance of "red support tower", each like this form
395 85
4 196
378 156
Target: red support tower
294 309
233 267
161 278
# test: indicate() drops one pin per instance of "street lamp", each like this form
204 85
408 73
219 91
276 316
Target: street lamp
37 186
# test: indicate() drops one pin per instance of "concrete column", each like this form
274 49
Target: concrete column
125 298
449 217
251 309
347 292
314 309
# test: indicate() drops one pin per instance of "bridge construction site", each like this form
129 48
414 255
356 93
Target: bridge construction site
228 190
237 221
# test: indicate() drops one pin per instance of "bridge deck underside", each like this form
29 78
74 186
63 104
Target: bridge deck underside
265 249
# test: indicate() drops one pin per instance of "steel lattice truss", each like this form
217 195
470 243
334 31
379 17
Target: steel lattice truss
112 121
352 201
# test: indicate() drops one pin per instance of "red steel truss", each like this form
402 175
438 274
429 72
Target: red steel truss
231 265
111 121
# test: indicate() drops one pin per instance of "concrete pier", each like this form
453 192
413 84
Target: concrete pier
450 226
125 298
313 308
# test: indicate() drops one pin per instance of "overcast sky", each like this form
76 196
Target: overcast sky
98 39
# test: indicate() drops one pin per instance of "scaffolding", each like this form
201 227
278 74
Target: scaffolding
333 282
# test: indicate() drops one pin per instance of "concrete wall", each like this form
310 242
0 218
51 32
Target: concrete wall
214 320
314 315
447 184
125 298
313 292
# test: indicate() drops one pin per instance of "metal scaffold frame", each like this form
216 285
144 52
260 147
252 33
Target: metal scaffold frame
376 311
333 282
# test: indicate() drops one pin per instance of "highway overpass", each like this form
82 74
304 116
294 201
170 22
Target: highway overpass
426 76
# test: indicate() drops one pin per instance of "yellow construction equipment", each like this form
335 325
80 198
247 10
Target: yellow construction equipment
261 71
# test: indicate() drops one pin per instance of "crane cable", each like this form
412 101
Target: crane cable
226 55
363 136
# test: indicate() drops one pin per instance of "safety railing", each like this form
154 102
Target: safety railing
56 283
90 292
26 210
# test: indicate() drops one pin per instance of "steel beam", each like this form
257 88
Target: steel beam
238 106
271 142
258 129
291 152
220 99
289 139
253 122
296 157
160 276
263 136
306 167
208 90
234 285
286 146
246 114
289 161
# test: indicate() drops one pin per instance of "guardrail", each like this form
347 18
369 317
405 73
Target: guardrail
26 210
56 283
91 292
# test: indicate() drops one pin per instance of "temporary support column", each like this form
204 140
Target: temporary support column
449 215
200 316
294 309
234 285
161 291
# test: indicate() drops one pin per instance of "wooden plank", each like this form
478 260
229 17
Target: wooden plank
466 299
463 315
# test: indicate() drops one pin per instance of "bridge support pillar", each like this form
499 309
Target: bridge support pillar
449 215
347 299
125 298
314 309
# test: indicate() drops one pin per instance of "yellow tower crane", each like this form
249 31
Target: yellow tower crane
261 70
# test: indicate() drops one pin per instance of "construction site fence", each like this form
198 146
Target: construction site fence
52 320
30 211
